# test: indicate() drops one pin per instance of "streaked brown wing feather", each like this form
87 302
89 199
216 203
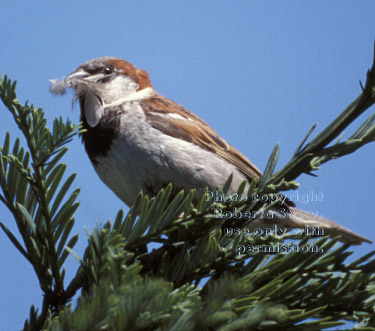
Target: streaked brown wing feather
191 128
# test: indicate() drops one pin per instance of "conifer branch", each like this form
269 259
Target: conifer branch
126 285
317 152
29 178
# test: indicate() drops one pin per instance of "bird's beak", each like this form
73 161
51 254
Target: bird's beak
76 80
74 76
73 80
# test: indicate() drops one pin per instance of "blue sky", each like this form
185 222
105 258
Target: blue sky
257 71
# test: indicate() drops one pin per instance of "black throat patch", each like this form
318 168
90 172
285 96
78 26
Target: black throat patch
98 139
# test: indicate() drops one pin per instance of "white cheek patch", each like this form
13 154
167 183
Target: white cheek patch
93 109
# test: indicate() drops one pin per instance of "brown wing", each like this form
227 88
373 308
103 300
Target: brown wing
183 124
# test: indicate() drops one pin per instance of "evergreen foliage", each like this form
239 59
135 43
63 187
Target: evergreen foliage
124 285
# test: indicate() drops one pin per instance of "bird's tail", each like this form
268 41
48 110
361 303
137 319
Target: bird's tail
303 219
290 218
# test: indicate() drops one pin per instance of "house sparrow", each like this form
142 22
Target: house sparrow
138 140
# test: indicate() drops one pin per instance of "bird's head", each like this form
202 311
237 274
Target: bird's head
104 82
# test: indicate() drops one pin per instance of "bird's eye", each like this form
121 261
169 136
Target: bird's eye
108 70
